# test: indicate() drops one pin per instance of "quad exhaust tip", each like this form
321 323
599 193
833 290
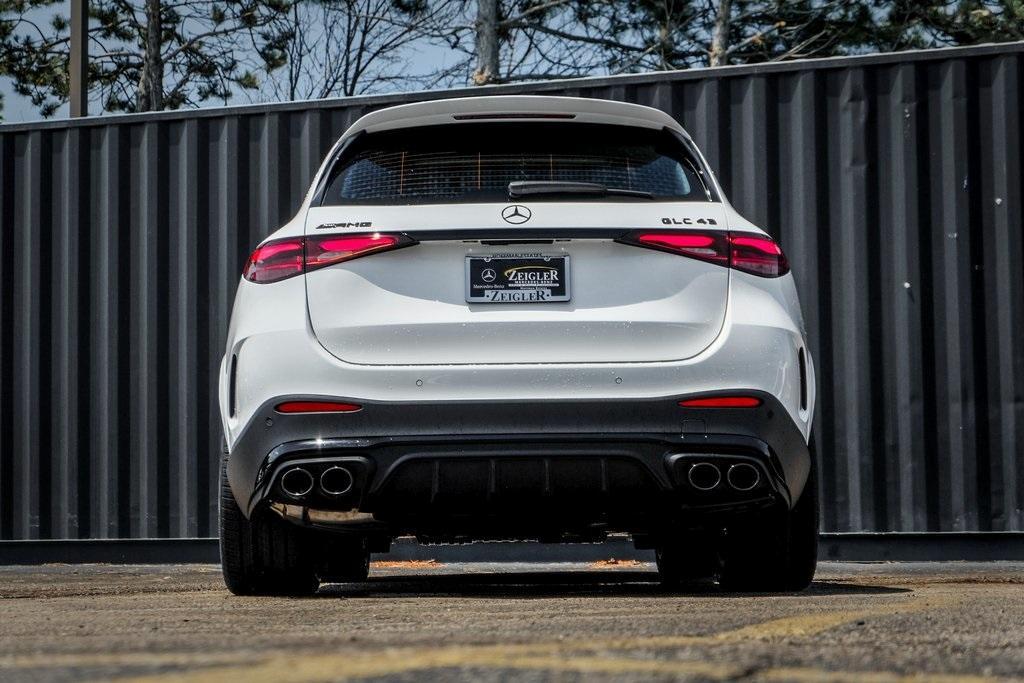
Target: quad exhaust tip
704 476
297 482
743 476
336 481
707 476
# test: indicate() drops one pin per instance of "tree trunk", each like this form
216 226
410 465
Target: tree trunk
719 55
151 83
486 42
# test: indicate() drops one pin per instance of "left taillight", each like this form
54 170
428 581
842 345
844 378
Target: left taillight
280 259
275 260
289 407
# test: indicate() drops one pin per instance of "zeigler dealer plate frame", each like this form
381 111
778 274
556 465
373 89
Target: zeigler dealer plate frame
518 278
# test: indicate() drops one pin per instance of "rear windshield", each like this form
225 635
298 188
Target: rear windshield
475 162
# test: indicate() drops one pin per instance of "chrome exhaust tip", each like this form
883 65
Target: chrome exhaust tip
297 482
704 476
336 481
743 476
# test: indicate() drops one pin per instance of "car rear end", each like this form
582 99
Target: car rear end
516 318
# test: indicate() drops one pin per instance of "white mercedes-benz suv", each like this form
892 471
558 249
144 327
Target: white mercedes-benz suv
517 318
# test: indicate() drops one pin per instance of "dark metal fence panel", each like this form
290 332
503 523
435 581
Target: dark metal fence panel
894 182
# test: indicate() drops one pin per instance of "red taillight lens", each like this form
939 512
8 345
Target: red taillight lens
704 246
722 402
326 250
317 407
275 261
749 252
284 258
757 255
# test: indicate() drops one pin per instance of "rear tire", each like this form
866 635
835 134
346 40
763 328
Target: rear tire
778 552
344 558
263 555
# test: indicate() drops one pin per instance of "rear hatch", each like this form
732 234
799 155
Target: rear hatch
504 214
409 306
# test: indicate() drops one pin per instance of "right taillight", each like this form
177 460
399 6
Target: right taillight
748 252
756 254
721 402
280 259
704 246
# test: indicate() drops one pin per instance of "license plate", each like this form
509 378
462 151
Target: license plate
517 278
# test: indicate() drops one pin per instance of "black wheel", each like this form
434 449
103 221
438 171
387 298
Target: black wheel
264 555
778 552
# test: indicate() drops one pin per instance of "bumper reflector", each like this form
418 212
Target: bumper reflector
721 402
317 407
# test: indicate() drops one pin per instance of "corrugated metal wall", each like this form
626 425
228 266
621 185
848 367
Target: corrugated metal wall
893 182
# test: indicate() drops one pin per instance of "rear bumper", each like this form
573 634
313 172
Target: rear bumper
474 468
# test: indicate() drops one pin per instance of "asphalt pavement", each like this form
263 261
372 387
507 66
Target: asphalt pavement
530 622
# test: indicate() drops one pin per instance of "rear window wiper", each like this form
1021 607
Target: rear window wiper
527 188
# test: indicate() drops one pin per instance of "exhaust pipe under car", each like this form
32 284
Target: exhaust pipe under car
336 481
704 476
743 476
297 482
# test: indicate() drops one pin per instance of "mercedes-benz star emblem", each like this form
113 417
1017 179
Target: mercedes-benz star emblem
516 214
488 275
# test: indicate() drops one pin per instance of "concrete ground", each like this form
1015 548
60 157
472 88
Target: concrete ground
427 621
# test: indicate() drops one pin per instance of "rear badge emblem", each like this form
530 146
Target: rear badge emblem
516 214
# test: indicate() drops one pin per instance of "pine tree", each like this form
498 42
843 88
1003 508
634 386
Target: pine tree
145 55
